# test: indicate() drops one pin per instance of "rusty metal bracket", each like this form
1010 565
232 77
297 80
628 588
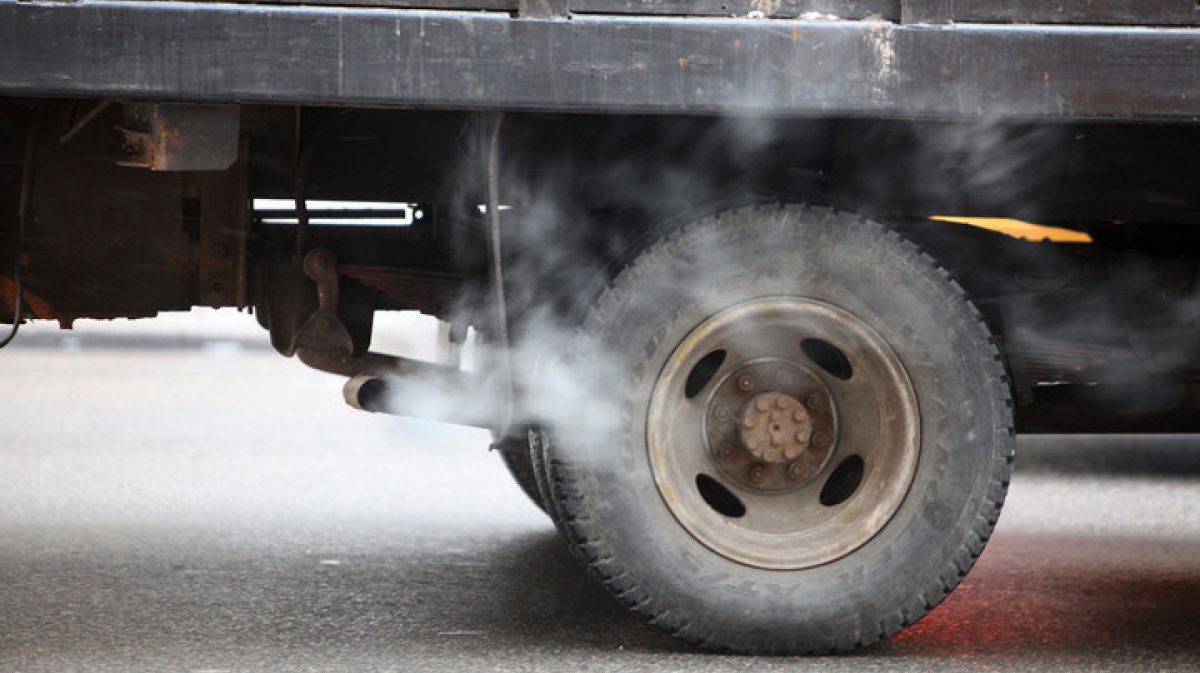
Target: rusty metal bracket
323 342
181 137
323 331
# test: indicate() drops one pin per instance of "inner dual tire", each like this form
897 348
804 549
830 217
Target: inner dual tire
800 437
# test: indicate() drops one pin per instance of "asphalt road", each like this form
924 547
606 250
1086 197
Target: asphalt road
185 500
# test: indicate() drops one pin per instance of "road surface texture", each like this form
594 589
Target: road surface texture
180 498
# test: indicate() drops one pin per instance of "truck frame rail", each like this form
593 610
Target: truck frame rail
618 63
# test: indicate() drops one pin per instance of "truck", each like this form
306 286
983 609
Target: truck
754 295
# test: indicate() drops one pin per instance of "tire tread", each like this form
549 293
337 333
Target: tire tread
570 510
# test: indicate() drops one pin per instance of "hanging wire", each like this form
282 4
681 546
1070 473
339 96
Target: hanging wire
497 269
306 152
27 171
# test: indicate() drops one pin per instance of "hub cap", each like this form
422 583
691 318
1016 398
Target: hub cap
783 433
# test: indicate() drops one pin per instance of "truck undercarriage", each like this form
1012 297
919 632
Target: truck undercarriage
762 290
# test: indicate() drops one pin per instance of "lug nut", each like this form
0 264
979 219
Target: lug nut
758 474
799 414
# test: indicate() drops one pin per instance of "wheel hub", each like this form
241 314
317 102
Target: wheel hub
759 431
775 427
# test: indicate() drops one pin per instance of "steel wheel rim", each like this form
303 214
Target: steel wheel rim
781 344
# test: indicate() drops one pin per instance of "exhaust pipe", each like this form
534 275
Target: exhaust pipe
366 393
429 392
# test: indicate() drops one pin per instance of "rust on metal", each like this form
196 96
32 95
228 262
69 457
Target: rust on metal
775 427
758 475
181 136
770 441
105 241
222 254
323 333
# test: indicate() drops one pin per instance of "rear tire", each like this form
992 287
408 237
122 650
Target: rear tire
738 539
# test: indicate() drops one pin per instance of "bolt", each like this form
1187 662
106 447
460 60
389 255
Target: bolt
745 382
758 474
726 450
820 439
783 378
722 414
318 263
815 401
796 470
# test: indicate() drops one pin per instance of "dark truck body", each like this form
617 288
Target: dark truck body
934 60
143 143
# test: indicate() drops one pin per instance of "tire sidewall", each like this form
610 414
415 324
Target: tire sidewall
883 281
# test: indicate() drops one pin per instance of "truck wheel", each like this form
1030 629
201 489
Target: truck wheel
808 440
